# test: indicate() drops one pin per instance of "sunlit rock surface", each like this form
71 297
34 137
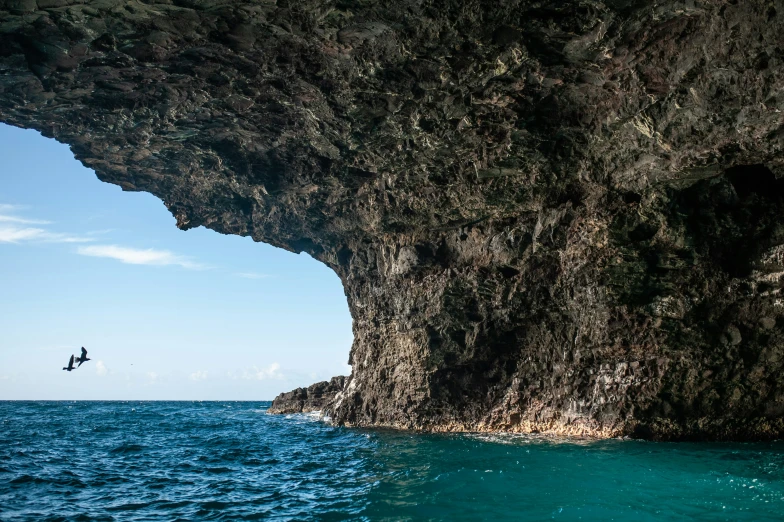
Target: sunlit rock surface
557 216
315 397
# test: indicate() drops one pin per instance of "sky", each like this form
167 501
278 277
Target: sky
164 314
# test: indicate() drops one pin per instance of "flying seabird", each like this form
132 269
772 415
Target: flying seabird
83 357
70 364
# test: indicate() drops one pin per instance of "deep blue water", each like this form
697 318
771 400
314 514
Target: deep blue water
232 461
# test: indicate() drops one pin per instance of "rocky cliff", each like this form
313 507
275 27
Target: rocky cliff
559 216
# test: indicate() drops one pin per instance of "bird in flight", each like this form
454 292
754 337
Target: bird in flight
83 358
70 364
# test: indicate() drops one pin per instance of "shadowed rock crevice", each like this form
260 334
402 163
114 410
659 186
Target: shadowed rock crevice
547 216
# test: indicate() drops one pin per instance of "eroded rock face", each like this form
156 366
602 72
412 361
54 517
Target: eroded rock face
547 216
315 397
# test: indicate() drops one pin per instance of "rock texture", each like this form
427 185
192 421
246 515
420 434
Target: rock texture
547 216
315 397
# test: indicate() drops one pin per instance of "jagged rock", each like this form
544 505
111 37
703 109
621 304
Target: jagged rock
313 398
545 215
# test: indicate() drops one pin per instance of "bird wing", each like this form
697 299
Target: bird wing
84 352
70 363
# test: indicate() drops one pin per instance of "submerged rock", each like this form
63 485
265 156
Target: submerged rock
547 216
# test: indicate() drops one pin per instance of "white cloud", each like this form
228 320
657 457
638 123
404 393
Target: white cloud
152 376
252 275
136 256
101 369
23 221
14 234
13 229
199 376
260 374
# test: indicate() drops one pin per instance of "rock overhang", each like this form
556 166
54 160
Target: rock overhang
546 216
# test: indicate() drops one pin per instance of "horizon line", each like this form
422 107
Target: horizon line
136 400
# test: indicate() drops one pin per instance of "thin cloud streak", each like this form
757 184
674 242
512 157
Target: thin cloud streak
23 221
136 256
13 231
14 234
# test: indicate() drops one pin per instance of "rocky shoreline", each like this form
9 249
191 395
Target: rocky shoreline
315 397
323 396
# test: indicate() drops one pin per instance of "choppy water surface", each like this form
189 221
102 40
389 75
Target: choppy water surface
231 461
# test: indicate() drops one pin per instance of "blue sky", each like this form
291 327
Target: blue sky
164 314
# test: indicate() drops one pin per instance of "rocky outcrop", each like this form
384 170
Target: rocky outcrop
315 397
547 216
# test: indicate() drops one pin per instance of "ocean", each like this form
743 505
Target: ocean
231 461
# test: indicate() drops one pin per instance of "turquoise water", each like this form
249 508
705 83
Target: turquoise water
232 461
